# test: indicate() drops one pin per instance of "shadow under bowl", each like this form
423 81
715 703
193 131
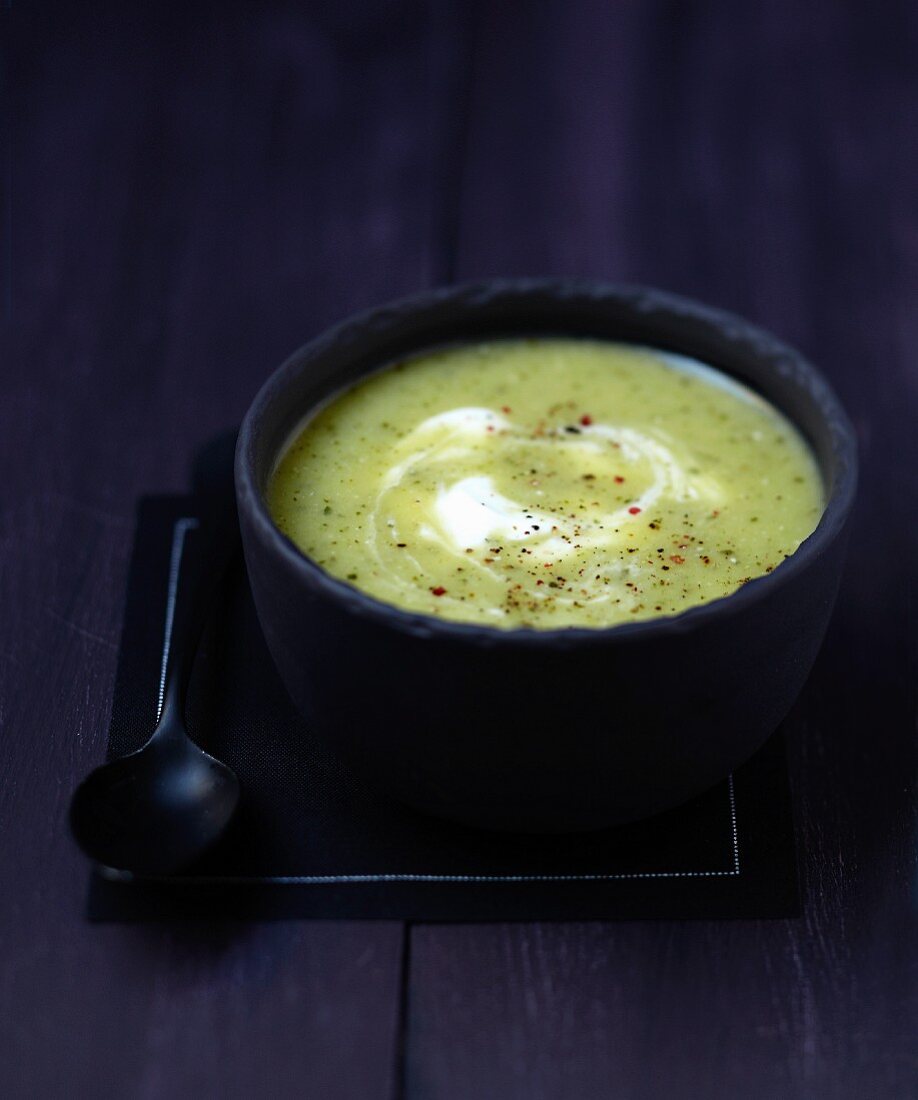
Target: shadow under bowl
555 730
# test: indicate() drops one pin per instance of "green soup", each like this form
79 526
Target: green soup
547 483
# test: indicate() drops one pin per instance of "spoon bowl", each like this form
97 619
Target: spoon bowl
156 810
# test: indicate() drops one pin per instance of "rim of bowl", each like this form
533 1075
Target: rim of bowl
646 299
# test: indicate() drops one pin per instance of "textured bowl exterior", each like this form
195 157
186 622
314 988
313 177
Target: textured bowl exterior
555 730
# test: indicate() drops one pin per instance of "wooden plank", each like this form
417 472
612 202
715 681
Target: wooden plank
760 156
196 192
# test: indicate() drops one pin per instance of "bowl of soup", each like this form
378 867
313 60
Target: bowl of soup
544 556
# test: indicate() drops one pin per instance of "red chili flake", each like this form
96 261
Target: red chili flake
586 421
439 590
489 428
540 582
619 480
633 510
677 558
505 409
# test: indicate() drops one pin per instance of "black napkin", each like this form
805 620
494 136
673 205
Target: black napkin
310 840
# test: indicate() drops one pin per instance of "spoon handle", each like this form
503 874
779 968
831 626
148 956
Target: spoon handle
207 553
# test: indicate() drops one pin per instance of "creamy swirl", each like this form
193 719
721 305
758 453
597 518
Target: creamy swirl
446 464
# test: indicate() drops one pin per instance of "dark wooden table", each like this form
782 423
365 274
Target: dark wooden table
192 190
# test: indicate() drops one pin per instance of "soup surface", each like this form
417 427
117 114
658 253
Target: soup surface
547 483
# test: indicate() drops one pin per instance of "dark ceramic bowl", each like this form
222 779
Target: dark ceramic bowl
543 730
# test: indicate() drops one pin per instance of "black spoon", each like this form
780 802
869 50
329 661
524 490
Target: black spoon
158 809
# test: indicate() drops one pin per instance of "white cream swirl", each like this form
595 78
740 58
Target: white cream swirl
466 512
